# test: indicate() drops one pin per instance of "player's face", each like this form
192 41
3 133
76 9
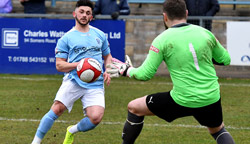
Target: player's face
83 15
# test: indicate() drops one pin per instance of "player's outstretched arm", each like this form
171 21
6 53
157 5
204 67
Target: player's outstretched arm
119 68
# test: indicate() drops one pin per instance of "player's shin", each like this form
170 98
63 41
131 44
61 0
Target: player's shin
132 128
85 125
44 126
223 137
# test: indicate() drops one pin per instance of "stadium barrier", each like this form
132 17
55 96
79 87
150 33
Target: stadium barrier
141 30
234 2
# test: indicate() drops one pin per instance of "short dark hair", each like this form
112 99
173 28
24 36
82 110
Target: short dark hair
175 9
85 3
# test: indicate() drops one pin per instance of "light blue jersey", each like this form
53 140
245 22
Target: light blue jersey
75 45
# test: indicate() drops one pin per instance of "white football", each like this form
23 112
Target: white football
89 70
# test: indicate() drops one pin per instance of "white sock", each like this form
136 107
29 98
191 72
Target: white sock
36 140
73 129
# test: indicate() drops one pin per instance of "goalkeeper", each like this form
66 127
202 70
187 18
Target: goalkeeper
189 52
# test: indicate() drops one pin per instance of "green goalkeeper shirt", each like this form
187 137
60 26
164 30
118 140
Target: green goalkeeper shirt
188 51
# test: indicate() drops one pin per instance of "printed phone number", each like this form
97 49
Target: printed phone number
30 59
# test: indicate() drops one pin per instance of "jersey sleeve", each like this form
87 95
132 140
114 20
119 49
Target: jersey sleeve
124 8
105 47
149 67
61 50
220 54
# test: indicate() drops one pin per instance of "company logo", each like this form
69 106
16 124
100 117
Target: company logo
245 58
10 38
152 48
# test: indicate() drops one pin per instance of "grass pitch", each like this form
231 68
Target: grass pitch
24 99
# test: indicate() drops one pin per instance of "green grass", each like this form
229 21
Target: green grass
24 99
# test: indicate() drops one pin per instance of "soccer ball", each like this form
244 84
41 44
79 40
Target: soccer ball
88 70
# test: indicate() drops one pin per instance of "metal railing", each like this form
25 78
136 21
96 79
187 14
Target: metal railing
219 31
69 16
232 2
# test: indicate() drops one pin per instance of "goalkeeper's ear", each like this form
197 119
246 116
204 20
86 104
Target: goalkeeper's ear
128 61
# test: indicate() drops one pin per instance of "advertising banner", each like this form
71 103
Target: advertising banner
238 42
28 44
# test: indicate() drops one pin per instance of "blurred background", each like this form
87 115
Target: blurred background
231 26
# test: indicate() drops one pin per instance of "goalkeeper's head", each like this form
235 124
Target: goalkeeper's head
174 10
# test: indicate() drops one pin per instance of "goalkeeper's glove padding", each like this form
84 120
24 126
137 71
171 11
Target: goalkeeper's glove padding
118 68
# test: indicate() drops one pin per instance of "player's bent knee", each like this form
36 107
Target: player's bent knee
95 114
96 121
96 118
215 129
137 106
132 107
58 108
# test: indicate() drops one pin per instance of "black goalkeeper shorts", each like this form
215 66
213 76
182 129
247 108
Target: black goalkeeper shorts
163 106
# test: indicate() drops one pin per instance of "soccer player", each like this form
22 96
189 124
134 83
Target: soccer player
80 42
188 51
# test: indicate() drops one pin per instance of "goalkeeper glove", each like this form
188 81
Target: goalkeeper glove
118 68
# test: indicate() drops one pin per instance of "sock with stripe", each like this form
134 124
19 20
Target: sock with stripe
132 128
223 137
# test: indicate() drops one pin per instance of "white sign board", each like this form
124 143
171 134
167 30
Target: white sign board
238 42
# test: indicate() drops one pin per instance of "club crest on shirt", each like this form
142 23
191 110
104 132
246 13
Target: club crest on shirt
98 40
152 48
